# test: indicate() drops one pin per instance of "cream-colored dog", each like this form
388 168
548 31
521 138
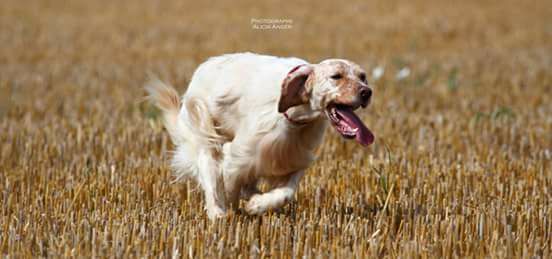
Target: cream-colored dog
247 117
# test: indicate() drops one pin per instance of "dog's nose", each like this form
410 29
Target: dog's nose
365 95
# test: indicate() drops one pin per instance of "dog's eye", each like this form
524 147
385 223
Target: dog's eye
336 76
362 77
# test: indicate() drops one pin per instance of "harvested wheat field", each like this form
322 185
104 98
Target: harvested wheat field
462 113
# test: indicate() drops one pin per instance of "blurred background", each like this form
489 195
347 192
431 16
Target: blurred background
461 111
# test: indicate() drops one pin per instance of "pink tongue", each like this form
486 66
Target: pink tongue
363 136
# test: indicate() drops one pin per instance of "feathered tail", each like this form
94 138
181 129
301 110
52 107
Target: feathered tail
167 99
191 127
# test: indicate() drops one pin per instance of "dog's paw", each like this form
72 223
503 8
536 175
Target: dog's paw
256 205
215 213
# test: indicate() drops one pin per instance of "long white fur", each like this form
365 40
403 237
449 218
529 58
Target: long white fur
229 134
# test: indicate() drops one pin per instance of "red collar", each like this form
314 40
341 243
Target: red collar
295 122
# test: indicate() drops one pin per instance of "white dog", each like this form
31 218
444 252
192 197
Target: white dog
247 117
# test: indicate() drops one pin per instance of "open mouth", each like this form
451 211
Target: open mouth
348 124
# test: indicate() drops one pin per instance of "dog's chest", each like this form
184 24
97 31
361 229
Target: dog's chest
282 153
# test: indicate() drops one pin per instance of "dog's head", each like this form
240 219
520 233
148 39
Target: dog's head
335 86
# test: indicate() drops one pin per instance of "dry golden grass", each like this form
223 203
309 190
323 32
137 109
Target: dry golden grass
461 165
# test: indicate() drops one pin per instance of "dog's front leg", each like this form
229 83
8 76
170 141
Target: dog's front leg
276 197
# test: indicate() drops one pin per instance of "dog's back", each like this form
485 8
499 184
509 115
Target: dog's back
255 78
235 86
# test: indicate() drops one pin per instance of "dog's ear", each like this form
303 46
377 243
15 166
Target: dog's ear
294 91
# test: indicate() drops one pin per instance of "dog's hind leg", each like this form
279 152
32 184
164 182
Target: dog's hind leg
210 179
233 176
237 169
275 198
193 131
